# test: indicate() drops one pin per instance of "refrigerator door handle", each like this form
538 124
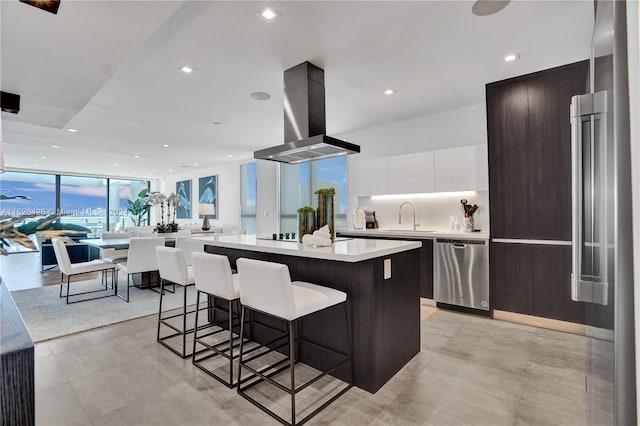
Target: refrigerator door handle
588 286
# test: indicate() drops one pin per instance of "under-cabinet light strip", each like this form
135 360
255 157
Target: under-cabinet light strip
424 195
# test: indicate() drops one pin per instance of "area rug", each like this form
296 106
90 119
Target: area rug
47 316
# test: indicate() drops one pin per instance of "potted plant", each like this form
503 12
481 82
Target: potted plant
306 221
326 210
139 209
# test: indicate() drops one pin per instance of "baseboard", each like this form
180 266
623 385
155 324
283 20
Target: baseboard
551 324
427 302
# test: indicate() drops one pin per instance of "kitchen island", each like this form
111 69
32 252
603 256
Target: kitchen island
384 301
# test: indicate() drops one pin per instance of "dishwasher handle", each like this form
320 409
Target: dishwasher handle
459 245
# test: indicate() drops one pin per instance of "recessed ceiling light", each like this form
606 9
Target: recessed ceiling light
72 130
170 170
165 146
271 156
115 164
268 14
196 164
55 146
230 156
34 165
260 96
136 156
389 92
44 157
511 57
187 69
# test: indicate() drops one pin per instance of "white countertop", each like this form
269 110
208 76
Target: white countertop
418 234
353 250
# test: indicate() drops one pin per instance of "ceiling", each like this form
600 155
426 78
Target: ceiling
110 69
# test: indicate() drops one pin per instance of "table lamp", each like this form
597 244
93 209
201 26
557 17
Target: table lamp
205 210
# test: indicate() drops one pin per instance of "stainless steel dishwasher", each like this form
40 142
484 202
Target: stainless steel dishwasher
462 273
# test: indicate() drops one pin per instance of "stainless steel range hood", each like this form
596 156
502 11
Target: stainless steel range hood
304 120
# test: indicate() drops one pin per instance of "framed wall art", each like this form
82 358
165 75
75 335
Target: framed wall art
183 190
208 193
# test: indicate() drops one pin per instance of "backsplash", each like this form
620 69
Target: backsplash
432 213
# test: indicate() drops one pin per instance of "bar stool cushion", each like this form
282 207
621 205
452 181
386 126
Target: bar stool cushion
267 287
173 266
212 273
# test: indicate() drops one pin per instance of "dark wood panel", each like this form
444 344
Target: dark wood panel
549 163
508 151
552 284
426 269
510 269
396 315
17 390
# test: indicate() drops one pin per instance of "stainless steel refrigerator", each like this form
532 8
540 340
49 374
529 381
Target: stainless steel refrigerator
602 241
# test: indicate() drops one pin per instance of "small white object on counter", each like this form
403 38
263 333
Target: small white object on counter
314 240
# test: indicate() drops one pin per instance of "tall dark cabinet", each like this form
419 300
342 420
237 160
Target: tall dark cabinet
529 143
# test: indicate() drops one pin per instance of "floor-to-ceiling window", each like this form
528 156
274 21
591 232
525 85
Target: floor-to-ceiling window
248 191
298 182
83 201
93 202
26 194
121 190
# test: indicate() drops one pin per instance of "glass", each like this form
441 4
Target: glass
83 201
248 195
120 191
24 194
298 182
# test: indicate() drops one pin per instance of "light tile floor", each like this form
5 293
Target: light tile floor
470 371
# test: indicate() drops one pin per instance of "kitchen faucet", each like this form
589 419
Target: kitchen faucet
414 214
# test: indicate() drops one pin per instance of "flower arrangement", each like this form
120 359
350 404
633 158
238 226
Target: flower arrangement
172 201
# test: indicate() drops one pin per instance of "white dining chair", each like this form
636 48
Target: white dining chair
141 258
69 269
111 254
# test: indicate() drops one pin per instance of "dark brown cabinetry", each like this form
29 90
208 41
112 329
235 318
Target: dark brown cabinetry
529 144
529 137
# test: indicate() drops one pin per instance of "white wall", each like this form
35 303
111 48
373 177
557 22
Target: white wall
228 208
448 129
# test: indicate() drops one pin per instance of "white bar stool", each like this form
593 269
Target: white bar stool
213 277
173 268
266 287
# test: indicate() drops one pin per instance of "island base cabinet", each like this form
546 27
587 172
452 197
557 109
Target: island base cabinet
384 314
534 279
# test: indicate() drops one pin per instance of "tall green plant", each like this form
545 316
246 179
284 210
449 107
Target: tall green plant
139 209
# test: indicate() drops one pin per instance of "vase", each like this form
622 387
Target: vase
468 224
326 213
306 224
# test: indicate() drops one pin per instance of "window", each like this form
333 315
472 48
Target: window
248 191
298 182
119 192
83 201
23 194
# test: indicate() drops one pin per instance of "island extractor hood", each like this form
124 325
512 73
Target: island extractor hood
304 120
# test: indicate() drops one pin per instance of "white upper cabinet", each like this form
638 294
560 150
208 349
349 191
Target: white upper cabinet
446 170
411 173
367 177
462 169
